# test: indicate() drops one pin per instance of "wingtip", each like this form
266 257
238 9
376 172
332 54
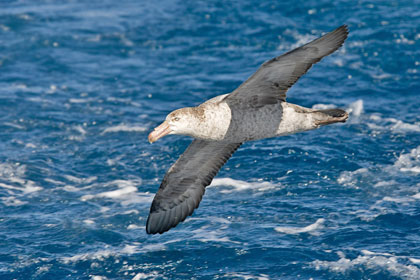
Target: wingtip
151 223
338 36
162 221
344 28
153 226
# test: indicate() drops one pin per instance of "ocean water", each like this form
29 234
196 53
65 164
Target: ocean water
82 83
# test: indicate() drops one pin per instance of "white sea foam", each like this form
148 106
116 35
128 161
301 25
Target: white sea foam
52 181
27 187
246 276
77 180
206 234
400 126
97 255
238 185
10 170
382 76
14 125
126 192
339 62
319 224
30 145
145 248
5 28
372 261
415 261
416 196
79 129
132 211
299 38
387 179
378 123
214 231
398 199
124 128
151 275
349 178
409 162
17 187
12 201
133 226
382 184
97 277
323 106
355 109
370 253
81 100
128 249
88 222
113 194
41 270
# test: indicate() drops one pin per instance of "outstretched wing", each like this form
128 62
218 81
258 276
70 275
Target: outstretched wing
271 81
183 185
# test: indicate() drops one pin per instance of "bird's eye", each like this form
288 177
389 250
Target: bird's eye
176 119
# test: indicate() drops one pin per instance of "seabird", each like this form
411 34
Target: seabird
257 109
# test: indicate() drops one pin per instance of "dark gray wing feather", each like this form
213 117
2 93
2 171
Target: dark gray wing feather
183 185
271 81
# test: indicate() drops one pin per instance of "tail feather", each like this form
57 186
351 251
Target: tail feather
329 116
335 113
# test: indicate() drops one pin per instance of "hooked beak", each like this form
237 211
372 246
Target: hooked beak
159 132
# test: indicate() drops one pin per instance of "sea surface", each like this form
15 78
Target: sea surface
82 83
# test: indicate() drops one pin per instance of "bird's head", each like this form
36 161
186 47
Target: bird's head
182 121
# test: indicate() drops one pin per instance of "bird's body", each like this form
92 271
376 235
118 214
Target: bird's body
218 120
257 109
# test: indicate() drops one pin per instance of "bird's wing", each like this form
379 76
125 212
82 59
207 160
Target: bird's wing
271 81
183 185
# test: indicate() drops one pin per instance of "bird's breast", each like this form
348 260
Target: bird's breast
216 122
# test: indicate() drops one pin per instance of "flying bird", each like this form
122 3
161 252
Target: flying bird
257 109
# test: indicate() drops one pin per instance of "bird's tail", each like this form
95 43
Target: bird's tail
329 116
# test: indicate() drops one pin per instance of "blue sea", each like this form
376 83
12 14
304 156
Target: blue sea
82 83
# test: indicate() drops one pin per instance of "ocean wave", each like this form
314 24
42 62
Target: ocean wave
355 109
386 181
392 264
101 255
116 251
16 187
246 276
407 163
151 275
97 255
214 231
124 128
379 124
312 229
126 192
78 180
238 185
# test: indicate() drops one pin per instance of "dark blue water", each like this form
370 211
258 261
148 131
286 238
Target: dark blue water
83 82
